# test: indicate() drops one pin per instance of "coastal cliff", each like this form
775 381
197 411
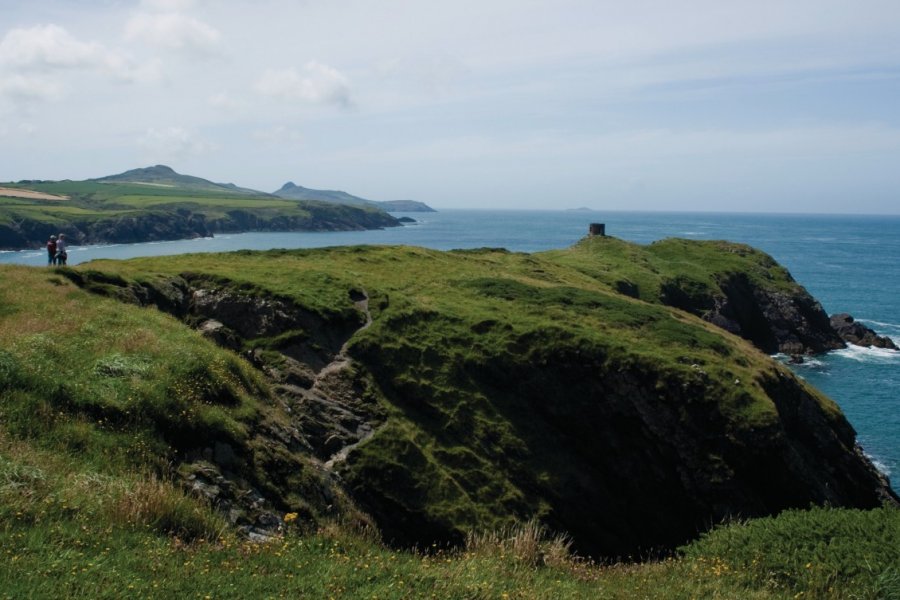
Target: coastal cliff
733 286
156 203
434 393
186 224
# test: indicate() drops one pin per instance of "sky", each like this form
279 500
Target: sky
698 105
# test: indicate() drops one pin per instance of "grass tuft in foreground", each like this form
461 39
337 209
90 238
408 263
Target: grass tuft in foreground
69 532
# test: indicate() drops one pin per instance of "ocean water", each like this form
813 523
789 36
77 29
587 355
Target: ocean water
849 263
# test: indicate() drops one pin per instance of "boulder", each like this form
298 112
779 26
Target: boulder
858 334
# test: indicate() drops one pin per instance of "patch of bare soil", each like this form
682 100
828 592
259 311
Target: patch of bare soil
30 194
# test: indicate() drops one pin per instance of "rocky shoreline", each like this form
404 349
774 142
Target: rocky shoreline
792 323
853 332
178 225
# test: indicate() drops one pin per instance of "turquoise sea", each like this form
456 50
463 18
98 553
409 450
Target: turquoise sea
850 263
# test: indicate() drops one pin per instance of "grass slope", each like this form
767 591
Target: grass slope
482 357
163 176
696 266
97 396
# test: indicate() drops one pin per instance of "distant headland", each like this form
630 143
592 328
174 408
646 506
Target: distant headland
157 203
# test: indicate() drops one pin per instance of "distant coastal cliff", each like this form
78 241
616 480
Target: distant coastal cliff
292 190
156 203
177 225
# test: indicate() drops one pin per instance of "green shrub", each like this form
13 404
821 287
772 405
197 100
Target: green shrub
821 552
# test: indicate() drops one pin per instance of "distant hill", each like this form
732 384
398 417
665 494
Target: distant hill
298 192
164 176
156 203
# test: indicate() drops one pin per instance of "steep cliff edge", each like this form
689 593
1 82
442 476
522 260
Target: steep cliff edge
478 388
733 286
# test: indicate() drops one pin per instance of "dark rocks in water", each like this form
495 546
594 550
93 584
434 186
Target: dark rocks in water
858 334
406 220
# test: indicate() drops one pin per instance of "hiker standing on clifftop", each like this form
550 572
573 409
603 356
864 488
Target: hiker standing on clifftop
61 254
51 251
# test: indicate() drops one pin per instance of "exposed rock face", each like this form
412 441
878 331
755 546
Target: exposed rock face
858 334
323 408
775 321
312 377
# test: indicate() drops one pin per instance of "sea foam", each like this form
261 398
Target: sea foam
869 354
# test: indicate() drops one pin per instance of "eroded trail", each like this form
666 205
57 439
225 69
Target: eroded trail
328 409
364 430
341 360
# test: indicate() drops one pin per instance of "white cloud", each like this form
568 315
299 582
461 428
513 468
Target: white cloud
34 60
172 30
315 84
50 46
172 143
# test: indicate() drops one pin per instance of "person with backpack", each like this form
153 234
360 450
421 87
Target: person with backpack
51 251
61 254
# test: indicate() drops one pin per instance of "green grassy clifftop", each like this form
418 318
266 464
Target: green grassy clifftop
508 386
733 286
425 394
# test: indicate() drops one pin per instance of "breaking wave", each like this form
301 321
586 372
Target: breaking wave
809 362
872 355
882 328
882 468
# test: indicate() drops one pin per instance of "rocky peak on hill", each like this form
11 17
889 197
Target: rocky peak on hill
167 176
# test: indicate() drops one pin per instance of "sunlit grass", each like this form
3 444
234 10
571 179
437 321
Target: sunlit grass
98 397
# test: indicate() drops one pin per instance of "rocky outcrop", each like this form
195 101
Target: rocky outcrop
404 206
774 320
322 407
858 334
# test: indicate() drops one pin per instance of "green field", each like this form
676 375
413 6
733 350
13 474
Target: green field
98 212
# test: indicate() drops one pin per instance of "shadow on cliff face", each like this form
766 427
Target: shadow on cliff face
629 460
